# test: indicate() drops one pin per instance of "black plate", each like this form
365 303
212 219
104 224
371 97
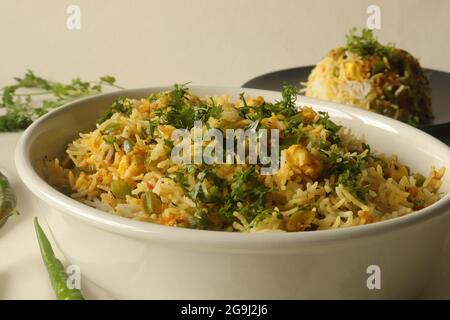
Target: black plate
440 85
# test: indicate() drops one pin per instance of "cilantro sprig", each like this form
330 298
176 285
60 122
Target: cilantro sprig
286 106
183 113
32 96
366 44
348 168
248 192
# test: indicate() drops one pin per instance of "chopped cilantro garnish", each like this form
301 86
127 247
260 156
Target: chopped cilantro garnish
152 125
328 124
285 107
347 167
110 139
353 184
418 203
247 191
182 113
122 105
200 219
366 44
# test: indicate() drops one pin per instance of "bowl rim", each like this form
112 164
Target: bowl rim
167 234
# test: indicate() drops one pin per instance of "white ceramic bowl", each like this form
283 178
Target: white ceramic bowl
132 259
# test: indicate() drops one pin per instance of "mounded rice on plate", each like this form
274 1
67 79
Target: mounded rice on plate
366 74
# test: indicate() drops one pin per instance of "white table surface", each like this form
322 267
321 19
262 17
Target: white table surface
22 273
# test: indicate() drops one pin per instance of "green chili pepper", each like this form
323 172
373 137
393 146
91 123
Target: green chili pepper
420 179
55 269
8 200
152 204
378 67
120 189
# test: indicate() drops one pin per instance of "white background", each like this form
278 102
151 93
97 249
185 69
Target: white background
215 42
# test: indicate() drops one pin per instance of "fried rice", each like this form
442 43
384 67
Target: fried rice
327 179
366 74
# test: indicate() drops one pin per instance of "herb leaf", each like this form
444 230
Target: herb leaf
32 96
366 44
182 114
122 105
